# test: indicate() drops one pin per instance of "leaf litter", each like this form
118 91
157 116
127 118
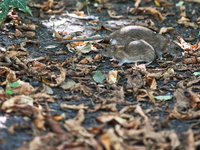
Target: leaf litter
127 107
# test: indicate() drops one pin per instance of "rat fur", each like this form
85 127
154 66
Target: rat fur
135 51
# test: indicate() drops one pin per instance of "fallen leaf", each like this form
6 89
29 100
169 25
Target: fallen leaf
98 77
67 85
76 107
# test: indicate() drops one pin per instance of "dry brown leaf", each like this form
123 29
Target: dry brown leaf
29 34
39 143
13 54
141 94
182 103
113 117
42 97
183 11
137 3
80 13
75 107
50 11
95 108
192 60
53 124
94 21
74 126
23 44
23 88
101 28
60 38
151 82
82 88
84 61
194 99
186 46
9 104
111 141
150 95
59 80
111 107
134 80
185 21
117 96
113 77
136 109
2 94
98 56
57 35
141 68
190 140
24 105
149 11
161 140
167 75
113 13
26 27
18 33
73 44
165 29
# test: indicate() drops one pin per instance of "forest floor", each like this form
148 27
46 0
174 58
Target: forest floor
57 96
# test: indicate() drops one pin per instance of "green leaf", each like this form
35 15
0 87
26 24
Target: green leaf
180 3
196 73
18 3
5 5
165 97
3 14
27 10
8 91
98 77
13 84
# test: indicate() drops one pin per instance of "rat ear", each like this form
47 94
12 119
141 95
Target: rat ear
170 41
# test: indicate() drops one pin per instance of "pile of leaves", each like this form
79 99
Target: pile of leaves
126 101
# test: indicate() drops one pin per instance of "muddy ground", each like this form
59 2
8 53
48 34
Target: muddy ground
44 33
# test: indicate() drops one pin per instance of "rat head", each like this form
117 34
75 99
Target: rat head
173 49
108 51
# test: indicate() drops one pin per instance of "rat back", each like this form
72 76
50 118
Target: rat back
139 51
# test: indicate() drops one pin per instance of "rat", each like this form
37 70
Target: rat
135 51
127 34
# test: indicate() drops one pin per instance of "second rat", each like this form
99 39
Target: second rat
135 51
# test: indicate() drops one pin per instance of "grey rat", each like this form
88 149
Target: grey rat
135 51
127 34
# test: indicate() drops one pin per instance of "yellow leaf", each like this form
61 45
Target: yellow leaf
157 3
